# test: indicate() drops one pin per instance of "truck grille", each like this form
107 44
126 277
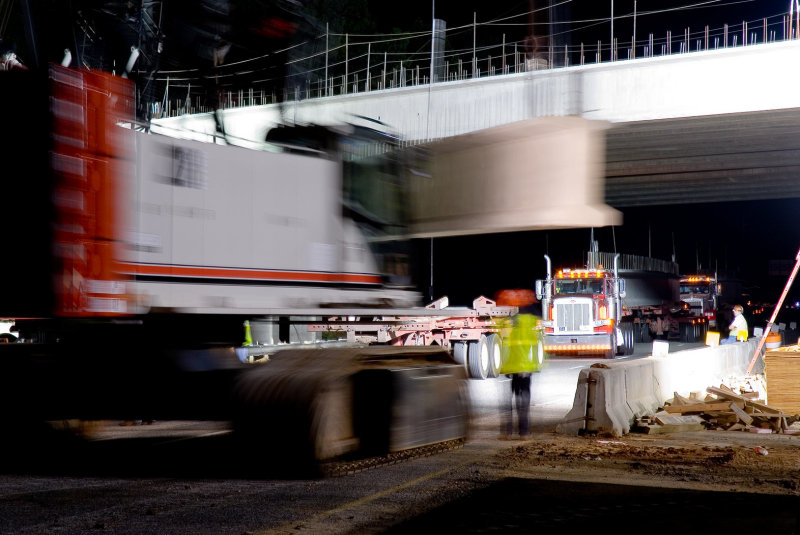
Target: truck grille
570 316
694 302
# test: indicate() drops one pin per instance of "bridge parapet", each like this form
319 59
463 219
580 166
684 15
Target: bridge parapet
723 81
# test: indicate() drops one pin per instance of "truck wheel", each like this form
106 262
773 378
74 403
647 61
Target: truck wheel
684 333
632 346
478 359
460 352
645 330
495 346
628 344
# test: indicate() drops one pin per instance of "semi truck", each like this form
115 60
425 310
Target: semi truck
701 294
605 308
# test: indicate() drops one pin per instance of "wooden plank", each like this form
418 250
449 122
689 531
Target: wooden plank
680 400
743 416
700 407
736 397
657 429
725 419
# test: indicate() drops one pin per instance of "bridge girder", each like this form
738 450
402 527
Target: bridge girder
713 158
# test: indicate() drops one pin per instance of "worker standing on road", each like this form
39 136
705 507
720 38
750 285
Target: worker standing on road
521 357
737 330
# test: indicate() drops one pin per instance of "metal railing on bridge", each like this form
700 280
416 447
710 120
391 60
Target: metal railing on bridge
357 67
596 260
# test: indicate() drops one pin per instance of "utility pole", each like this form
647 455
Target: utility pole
474 32
428 114
433 37
611 46
633 45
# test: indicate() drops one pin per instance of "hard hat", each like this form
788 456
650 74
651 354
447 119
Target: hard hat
516 297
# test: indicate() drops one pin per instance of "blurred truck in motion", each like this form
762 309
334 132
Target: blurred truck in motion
143 262
140 257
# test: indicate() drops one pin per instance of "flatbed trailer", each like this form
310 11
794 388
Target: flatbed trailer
473 335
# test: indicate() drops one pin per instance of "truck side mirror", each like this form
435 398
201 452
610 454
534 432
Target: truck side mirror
622 287
539 290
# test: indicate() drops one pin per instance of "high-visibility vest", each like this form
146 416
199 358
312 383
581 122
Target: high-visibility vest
520 346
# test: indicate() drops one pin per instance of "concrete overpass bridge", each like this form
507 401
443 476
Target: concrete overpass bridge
715 125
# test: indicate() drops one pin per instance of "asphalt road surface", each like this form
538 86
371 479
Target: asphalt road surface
190 478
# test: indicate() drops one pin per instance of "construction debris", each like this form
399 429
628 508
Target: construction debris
721 409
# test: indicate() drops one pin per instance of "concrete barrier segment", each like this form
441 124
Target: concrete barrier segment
574 422
610 396
624 391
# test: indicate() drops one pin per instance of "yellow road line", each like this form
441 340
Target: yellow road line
291 526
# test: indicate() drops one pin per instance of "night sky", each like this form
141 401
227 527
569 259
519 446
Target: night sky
591 17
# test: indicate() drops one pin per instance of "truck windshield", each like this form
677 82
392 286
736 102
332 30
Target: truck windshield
579 287
694 288
373 187
374 196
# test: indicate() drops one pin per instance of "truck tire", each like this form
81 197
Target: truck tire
691 332
632 346
460 352
646 336
478 358
495 346
686 332
628 344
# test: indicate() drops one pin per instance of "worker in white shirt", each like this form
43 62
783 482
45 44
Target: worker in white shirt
738 327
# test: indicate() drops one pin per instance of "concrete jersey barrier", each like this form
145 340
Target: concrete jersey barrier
610 396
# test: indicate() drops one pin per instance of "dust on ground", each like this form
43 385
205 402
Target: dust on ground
703 460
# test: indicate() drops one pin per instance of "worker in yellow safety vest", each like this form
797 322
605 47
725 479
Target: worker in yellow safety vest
522 355
521 343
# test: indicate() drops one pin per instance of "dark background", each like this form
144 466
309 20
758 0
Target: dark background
750 245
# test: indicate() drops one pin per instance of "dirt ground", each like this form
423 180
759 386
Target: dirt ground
702 460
